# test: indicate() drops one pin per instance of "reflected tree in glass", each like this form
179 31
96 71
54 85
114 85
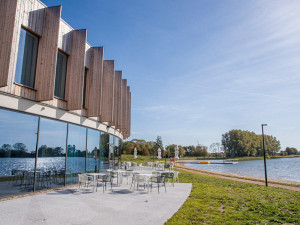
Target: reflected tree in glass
104 151
51 154
76 154
93 151
18 135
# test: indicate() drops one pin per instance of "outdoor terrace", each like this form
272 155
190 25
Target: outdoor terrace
123 205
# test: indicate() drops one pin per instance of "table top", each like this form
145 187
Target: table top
95 174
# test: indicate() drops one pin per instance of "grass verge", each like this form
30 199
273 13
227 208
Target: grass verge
220 201
241 177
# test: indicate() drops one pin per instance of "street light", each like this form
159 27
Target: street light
265 163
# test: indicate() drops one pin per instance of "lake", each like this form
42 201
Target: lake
281 169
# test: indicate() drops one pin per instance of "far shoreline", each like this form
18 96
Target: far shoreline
231 175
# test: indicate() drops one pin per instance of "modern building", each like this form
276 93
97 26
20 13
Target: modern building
64 110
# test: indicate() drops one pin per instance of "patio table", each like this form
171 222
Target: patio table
94 176
119 172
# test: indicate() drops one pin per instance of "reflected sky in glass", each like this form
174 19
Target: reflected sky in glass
93 140
52 133
18 128
77 137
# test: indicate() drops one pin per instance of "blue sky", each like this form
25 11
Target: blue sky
198 69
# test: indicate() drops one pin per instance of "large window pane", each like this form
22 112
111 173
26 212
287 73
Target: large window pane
111 151
76 153
93 151
104 151
18 135
60 77
51 154
27 56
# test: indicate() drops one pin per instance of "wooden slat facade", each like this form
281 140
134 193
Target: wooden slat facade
127 110
107 91
117 99
124 96
75 70
94 82
47 53
8 11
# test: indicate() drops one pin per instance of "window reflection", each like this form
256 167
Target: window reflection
27 56
93 151
76 153
104 150
18 135
51 154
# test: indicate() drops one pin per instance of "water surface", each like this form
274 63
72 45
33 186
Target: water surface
281 169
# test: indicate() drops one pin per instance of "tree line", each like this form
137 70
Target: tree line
239 143
150 148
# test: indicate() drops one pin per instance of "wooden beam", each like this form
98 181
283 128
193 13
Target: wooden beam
94 82
127 110
107 91
129 115
8 9
47 54
75 70
117 99
124 96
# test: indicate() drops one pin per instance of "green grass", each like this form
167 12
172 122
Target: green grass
220 201
141 159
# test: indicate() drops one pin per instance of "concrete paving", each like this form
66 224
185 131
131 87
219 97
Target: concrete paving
75 206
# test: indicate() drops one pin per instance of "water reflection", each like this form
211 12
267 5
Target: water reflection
76 153
18 135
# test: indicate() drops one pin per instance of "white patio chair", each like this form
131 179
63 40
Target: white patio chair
158 181
83 179
176 176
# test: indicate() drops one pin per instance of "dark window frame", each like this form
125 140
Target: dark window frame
36 37
86 71
63 77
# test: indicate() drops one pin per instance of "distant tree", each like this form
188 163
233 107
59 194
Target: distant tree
291 151
215 149
6 147
238 143
20 147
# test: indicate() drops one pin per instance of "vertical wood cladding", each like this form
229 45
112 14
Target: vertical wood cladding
75 70
8 11
126 130
127 110
94 81
107 91
124 96
129 115
117 98
47 53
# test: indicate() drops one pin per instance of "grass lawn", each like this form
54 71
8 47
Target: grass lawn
141 159
220 201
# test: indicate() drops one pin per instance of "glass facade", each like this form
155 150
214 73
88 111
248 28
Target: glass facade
93 151
76 152
23 135
51 160
104 151
18 136
27 56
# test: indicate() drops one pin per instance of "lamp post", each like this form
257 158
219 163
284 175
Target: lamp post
265 163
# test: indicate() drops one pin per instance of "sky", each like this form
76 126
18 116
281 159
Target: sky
199 68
